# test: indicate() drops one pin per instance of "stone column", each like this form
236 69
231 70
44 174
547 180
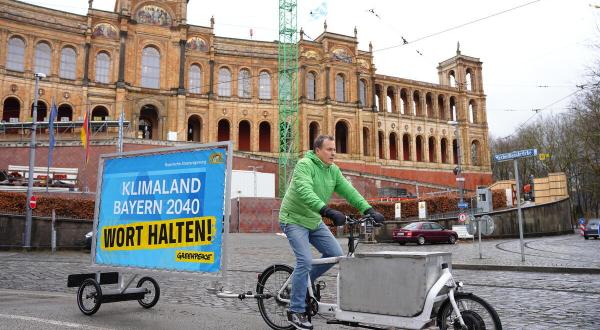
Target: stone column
122 52
302 83
327 85
3 50
181 88
383 99
358 94
86 64
211 80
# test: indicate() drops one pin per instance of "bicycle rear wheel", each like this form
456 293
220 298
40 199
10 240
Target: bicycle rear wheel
476 312
272 309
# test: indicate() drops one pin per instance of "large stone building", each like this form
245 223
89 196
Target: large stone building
179 81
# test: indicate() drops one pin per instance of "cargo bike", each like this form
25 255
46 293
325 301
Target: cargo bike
378 290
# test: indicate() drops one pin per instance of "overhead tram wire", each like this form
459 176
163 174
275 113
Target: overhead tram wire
457 26
522 125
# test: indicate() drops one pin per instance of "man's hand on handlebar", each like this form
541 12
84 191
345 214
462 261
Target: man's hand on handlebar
338 218
377 217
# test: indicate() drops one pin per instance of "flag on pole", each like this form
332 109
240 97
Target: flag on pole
53 113
85 136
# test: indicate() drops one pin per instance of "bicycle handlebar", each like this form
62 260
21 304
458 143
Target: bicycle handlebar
367 218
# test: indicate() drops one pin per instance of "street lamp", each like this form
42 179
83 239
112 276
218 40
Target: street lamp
28 214
254 168
458 170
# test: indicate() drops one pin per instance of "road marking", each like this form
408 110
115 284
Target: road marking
53 322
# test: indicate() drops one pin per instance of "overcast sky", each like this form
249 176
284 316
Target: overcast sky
548 43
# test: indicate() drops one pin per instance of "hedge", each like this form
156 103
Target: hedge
65 205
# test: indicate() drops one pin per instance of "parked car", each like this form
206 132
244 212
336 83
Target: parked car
591 229
88 240
424 232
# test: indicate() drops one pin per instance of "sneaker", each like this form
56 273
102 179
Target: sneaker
299 320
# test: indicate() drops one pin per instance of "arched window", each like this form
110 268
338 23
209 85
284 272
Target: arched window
42 110
43 58
340 88
244 83
429 105
393 147
16 54
418 111
406 147
432 155
341 137
381 146
444 150
469 79
264 86
68 63
391 100
366 140
264 137
311 86
441 107
451 79
194 132
378 98
475 153
244 136
103 68
150 68
99 113
472 111
12 110
313 132
404 101
195 80
455 151
224 82
362 93
452 108
419 148
223 130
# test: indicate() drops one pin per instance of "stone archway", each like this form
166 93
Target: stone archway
194 128
342 137
148 123
42 111
11 109
264 137
223 130
313 132
244 136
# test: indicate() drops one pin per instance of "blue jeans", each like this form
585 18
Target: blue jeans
299 238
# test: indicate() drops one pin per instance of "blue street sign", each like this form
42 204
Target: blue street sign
463 205
581 221
515 154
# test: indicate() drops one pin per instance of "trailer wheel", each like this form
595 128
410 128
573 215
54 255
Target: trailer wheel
152 292
89 297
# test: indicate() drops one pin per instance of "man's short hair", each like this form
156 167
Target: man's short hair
320 139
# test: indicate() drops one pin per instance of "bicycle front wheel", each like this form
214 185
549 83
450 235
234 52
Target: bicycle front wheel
476 312
272 309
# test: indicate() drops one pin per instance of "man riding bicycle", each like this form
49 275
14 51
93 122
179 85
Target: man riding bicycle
314 180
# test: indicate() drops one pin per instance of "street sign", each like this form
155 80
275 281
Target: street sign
581 221
397 210
460 179
515 155
422 210
463 205
33 202
487 225
462 217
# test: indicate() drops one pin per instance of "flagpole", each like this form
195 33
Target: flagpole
50 139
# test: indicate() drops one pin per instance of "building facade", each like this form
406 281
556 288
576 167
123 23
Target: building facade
181 82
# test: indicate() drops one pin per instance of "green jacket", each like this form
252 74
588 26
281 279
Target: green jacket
313 183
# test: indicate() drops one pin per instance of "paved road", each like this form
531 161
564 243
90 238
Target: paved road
33 290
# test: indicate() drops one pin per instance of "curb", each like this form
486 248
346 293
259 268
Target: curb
536 269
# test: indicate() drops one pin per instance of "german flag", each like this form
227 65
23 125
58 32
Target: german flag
85 136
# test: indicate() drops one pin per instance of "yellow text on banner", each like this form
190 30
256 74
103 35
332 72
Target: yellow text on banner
158 234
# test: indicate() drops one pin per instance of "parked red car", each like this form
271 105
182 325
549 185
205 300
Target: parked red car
424 232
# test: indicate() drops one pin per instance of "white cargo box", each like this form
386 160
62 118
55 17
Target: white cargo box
389 282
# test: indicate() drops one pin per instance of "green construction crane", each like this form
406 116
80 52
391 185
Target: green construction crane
287 63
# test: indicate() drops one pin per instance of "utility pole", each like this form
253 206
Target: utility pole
28 220
254 168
